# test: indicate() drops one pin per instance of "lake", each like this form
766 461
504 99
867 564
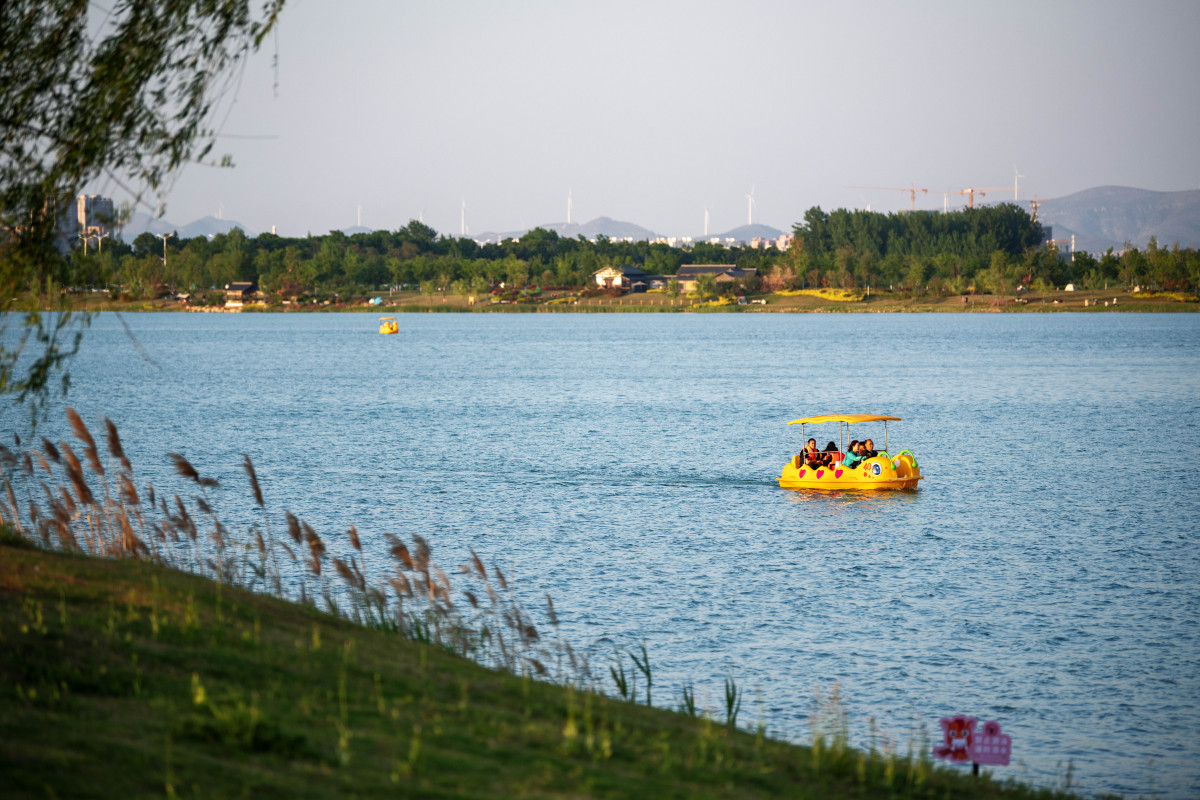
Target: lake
1046 574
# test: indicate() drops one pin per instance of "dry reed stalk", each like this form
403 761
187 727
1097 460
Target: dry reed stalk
184 467
89 444
402 585
130 543
293 527
423 552
480 570
114 445
316 548
249 467
291 553
399 551
75 474
353 534
50 450
129 494
14 512
344 572
68 501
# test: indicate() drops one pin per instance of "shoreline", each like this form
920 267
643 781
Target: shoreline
1128 304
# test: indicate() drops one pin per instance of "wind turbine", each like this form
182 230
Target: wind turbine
750 206
706 223
1016 177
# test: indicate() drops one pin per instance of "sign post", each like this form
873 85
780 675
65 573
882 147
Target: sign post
963 744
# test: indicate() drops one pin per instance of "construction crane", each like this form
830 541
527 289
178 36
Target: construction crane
1034 204
971 192
912 192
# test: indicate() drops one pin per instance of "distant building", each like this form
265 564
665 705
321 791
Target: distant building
95 214
237 294
723 273
622 278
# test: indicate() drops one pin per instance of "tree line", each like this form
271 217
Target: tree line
990 249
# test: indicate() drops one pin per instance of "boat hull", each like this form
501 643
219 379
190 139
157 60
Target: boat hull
880 473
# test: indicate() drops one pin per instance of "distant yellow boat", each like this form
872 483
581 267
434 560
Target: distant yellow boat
882 471
388 325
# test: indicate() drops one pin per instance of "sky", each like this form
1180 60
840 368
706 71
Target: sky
654 112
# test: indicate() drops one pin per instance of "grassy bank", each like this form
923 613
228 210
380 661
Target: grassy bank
124 679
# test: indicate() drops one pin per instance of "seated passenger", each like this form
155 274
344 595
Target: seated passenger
827 458
869 450
812 456
853 455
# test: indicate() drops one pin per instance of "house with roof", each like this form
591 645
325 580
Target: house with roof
624 278
239 293
722 273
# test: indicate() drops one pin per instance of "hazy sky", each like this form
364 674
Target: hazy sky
651 112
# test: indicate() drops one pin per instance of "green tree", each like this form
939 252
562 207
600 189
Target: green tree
916 275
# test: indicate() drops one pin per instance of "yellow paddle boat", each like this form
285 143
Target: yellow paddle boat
388 325
883 471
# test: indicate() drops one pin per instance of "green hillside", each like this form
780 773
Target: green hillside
124 679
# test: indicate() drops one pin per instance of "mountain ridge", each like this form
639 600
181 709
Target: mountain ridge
1106 217
1099 218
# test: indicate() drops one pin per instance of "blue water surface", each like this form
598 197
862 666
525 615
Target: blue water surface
1046 574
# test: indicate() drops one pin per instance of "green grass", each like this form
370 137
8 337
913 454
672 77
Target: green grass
120 678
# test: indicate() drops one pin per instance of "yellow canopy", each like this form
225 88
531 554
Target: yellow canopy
382 319
844 418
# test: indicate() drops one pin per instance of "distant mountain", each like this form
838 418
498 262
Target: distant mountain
613 229
355 229
1110 216
208 226
745 233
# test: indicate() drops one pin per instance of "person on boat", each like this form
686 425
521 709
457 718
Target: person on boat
854 455
827 456
812 456
869 450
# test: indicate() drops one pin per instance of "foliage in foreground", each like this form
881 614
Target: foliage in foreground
124 91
